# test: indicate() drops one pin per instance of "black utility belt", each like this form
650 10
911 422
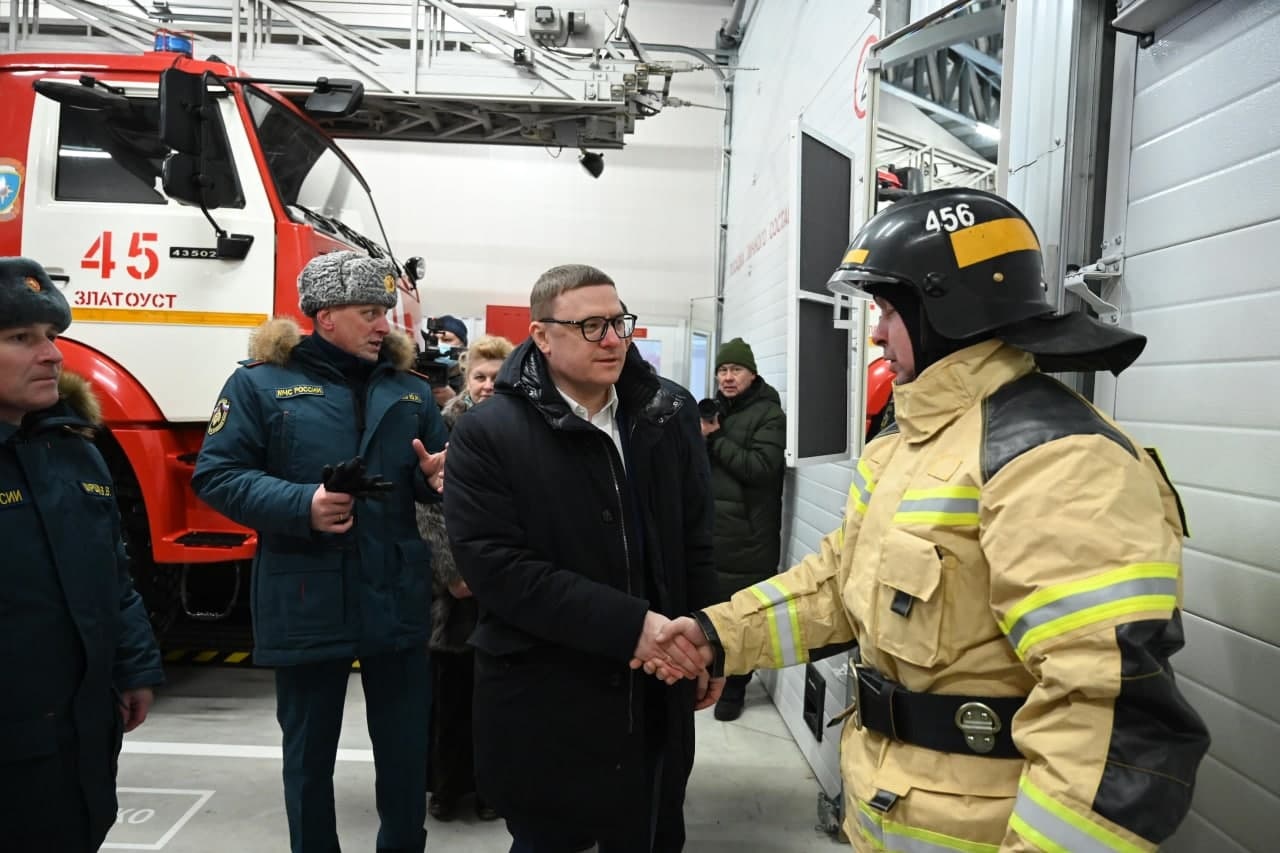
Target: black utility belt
969 725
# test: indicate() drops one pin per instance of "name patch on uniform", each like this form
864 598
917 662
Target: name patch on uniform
299 391
410 398
96 489
11 497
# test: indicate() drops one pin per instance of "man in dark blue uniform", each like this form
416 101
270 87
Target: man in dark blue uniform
74 635
341 571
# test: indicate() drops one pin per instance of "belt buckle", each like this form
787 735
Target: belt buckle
854 710
979 725
857 696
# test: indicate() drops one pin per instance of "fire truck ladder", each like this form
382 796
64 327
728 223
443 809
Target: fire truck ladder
446 74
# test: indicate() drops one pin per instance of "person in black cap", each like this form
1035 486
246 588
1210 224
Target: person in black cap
1009 566
78 648
447 335
341 571
452 332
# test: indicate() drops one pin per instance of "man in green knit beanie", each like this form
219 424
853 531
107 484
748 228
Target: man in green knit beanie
745 441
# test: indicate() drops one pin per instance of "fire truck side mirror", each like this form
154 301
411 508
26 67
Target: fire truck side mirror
334 98
201 181
182 101
198 171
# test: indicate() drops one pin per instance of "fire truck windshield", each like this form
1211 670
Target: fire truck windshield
316 182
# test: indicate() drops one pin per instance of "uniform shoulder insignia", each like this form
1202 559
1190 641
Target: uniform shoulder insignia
1036 410
218 419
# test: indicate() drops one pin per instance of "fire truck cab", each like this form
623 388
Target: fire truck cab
164 292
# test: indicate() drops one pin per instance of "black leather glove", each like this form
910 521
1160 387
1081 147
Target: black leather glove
351 478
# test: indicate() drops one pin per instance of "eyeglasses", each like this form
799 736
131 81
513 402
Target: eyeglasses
595 328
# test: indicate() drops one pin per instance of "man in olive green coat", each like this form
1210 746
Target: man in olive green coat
746 441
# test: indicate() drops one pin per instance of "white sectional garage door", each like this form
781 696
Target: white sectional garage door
1202 279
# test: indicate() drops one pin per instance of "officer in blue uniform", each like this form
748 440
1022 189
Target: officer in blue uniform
341 571
79 654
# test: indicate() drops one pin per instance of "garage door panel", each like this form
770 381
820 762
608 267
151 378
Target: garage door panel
1229 662
1241 395
1237 733
1225 330
1236 263
1193 456
1202 148
1237 527
1207 46
1197 835
1237 805
1241 597
1243 195
1201 238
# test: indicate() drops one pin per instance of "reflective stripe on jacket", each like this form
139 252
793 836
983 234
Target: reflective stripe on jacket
1031 549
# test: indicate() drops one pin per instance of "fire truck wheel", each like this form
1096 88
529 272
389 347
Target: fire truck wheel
158 585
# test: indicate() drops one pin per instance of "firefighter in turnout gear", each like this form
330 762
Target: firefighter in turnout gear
1009 567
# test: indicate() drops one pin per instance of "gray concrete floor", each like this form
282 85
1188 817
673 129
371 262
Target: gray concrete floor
203 776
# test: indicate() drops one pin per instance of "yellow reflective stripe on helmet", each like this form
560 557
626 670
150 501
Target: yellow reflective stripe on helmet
855 256
862 487
783 620
979 243
890 835
1055 611
946 506
1053 827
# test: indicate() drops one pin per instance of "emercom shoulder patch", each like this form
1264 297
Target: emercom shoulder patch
219 417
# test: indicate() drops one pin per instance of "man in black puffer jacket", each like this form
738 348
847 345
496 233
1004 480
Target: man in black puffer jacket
746 442
579 512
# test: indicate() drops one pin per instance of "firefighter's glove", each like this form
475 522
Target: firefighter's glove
351 478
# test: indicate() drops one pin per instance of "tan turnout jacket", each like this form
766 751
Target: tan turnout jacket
1027 528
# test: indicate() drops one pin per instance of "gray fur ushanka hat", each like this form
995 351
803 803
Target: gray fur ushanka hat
28 295
346 278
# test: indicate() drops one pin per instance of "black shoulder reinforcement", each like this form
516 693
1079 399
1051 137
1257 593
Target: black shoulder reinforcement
1032 411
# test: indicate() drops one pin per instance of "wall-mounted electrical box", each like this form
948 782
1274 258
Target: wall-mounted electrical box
552 26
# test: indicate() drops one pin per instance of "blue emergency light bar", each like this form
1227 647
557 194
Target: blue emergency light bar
171 42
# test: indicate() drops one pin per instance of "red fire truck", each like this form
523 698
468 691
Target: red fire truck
175 203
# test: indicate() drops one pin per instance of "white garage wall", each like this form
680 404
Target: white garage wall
806 54
1202 247
489 219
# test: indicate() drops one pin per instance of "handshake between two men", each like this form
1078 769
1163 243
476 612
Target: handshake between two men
672 649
